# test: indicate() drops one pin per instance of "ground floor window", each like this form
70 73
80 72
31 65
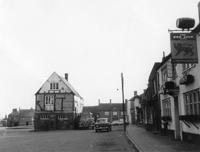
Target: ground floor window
62 117
166 105
192 102
44 117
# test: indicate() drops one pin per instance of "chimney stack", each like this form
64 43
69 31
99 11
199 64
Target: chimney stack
135 93
110 101
99 101
66 76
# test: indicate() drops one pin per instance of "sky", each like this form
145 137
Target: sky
91 40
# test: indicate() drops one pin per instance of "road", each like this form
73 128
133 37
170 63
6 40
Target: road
23 140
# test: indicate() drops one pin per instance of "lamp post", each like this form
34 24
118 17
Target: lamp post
123 105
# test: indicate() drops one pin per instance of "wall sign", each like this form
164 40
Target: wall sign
183 48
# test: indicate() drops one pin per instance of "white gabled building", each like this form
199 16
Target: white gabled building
189 96
167 101
57 104
181 108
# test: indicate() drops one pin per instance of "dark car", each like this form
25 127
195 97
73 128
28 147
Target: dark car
102 124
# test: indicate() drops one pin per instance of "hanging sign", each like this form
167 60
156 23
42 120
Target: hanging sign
183 48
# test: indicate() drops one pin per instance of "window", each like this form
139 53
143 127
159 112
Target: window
44 117
106 113
187 66
122 113
57 86
164 75
192 102
114 113
49 102
54 86
61 117
166 104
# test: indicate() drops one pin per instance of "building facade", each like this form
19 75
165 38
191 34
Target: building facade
136 112
112 111
58 105
21 117
26 117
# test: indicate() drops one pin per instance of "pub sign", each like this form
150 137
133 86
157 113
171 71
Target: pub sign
183 48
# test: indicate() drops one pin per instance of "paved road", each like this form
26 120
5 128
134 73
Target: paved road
23 140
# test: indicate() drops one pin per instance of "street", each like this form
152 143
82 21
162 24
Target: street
24 140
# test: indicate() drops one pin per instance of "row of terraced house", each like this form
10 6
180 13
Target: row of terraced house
171 102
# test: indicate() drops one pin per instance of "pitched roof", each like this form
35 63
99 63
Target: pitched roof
110 106
153 70
164 60
103 107
92 109
134 97
68 85
26 112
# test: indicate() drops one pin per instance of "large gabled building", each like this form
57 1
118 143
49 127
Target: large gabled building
57 104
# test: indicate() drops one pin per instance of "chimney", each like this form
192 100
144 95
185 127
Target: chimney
135 93
110 101
163 56
66 76
99 101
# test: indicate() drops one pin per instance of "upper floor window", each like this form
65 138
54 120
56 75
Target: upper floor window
192 102
49 102
106 113
166 105
168 72
54 86
164 75
187 66
114 113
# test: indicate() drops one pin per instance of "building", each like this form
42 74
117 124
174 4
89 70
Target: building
171 102
26 117
13 118
58 105
136 113
20 117
188 77
153 105
167 83
112 111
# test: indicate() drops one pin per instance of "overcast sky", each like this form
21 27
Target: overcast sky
92 40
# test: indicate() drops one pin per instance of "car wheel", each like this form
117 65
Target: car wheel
96 130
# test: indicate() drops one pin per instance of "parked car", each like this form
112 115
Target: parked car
117 123
102 124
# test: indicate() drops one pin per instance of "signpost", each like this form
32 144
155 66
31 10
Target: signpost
183 48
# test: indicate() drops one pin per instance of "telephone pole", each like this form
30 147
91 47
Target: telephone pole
123 105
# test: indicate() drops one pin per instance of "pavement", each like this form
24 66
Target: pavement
146 141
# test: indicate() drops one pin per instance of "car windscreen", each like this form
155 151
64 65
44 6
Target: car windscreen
102 120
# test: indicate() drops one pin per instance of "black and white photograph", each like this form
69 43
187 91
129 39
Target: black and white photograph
99 76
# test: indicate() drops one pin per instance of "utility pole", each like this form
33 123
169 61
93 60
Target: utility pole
123 105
